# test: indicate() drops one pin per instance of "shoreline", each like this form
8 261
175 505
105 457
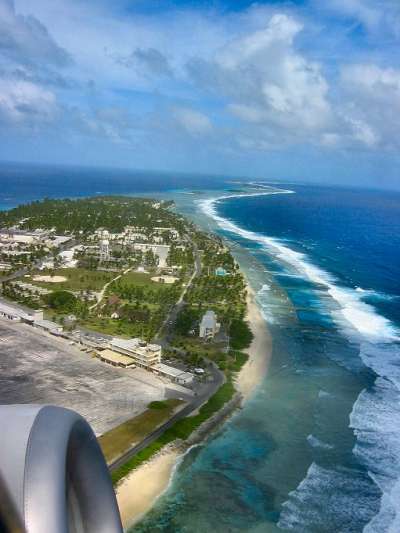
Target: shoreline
256 366
155 476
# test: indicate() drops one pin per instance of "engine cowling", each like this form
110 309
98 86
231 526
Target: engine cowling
55 472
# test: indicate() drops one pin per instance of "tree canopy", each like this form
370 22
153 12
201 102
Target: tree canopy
61 300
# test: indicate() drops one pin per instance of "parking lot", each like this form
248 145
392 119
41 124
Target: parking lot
35 368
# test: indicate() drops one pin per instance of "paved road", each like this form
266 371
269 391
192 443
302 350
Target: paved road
218 379
163 335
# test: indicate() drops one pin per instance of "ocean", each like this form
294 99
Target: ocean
317 447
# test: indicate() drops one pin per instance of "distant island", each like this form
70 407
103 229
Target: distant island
130 282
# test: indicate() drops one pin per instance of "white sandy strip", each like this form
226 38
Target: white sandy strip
50 279
259 352
137 493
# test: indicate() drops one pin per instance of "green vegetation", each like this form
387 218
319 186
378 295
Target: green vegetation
141 306
12 292
158 405
63 301
179 256
186 320
240 334
135 306
182 429
226 295
85 215
78 279
116 441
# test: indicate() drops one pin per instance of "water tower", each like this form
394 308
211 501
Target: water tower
104 250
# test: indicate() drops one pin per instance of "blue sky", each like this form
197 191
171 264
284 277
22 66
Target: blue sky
307 90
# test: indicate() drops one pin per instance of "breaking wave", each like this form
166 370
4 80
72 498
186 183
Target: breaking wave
375 418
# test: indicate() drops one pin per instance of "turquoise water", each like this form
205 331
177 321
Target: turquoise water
316 449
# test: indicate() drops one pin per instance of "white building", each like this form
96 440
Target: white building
209 326
12 313
176 375
172 232
143 354
104 250
34 318
22 236
49 326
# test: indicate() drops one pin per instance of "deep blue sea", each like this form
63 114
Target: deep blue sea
317 448
21 183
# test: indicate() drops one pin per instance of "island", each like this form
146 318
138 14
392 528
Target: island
126 311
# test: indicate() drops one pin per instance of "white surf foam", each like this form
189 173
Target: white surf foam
378 340
324 501
265 288
318 443
367 293
353 313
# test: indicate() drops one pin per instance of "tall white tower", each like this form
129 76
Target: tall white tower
104 250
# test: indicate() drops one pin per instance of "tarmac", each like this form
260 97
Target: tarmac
39 368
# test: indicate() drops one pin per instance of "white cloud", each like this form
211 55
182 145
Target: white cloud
372 78
369 14
25 103
372 104
381 16
192 121
252 73
267 82
25 39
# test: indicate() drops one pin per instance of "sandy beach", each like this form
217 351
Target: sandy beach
137 493
259 352
154 476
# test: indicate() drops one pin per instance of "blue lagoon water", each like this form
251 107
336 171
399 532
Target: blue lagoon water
317 448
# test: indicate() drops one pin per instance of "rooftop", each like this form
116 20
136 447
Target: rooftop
134 344
48 324
209 319
10 310
172 372
115 357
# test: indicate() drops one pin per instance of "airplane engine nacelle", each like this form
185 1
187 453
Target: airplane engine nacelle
55 472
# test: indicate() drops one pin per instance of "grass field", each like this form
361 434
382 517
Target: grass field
115 442
139 278
120 328
180 430
78 279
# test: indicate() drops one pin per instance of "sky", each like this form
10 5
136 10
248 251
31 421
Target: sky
303 90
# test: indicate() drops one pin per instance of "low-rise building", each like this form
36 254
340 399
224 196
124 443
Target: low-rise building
12 313
92 340
209 326
23 237
116 359
143 354
49 326
174 374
